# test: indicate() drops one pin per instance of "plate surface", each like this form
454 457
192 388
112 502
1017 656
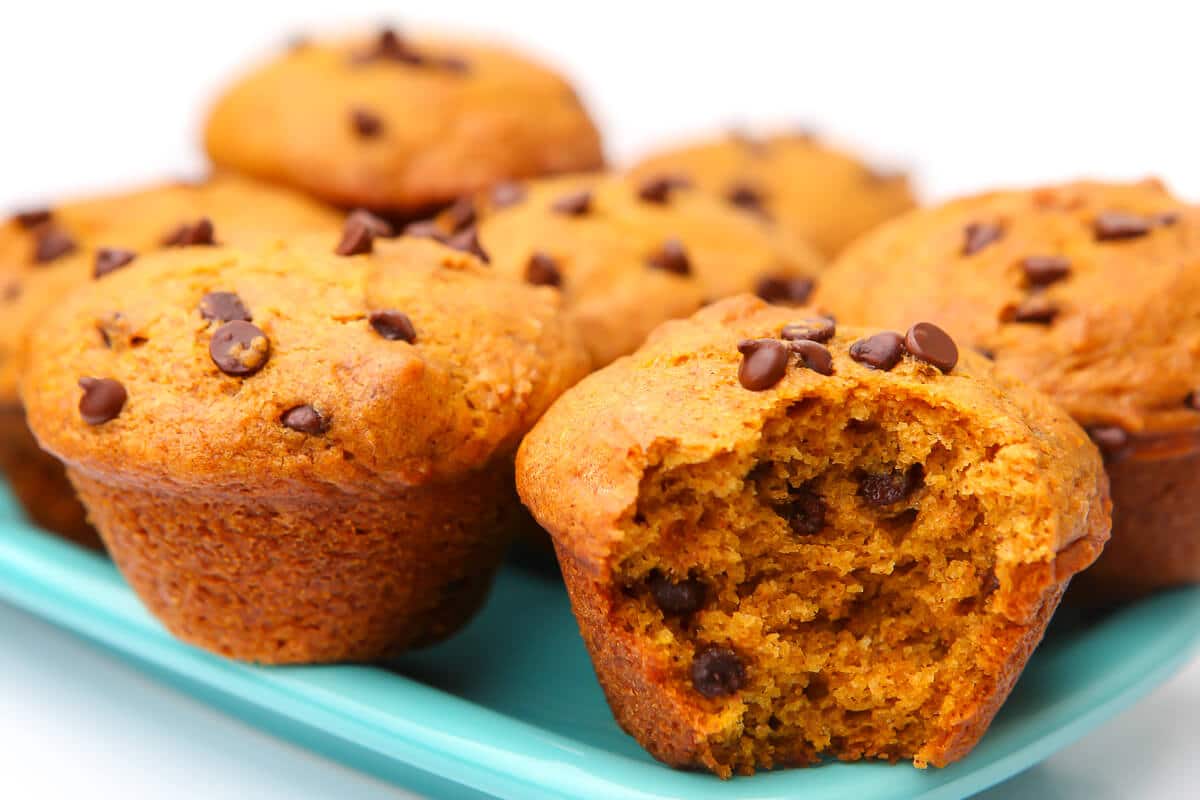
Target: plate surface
511 708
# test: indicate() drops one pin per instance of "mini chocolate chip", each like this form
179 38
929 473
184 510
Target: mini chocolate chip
239 348
671 257
815 356
886 488
1166 219
380 228
745 196
196 233
575 204
1114 225
658 188
1036 309
932 345
103 399
1111 439
467 240
678 598
881 351
224 307
814 329
542 270
305 419
783 290
1045 270
394 325
979 235
357 238
52 242
389 46
804 510
986 352
717 671
111 259
507 194
764 363
32 217
461 214
367 124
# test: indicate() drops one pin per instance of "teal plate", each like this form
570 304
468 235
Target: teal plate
510 708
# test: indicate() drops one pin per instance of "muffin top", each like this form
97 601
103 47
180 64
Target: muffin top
822 194
400 123
627 254
48 253
261 366
1086 291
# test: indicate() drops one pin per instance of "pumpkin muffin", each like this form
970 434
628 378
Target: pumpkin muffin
1086 291
627 254
296 455
786 540
400 124
822 194
48 253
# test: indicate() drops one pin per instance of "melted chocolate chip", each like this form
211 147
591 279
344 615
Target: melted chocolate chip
881 351
575 204
782 290
658 189
979 235
804 511
461 214
813 355
764 363
110 259
198 233
814 329
1115 225
677 598
103 399
886 488
32 217
52 243
224 307
1111 439
542 270
1036 309
305 419
931 344
379 227
366 123
717 671
507 194
746 197
394 325
239 348
468 241
1045 270
671 257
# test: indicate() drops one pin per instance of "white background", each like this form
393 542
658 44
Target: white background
967 96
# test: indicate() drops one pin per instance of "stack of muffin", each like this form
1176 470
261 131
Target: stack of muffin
298 400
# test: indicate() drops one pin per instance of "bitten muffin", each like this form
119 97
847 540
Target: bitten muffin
398 123
296 456
825 195
1089 292
627 254
785 541
48 253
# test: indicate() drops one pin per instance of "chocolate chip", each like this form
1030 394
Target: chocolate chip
110 259
804 511
932 345
745 196
507 194
676 598
986 352
389 46
191 234
542 270
380 228
224 307
764 363
305 419
782 290
575 204
814 329
239 348
1036 309
813 355
1166 219
357 238
32 217
1045 270
979 235
103 399
367 124
1115 225
881 351
394 325
468 241
671 257
886 488
1111 439
461 214
1192 400
52 243
717 671
658 189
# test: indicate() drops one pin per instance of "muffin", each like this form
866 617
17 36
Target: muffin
398 123
627 254
297 456
1087 291
47 253
822 194
786 540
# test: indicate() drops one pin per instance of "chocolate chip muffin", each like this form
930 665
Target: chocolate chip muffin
297 456
1086 291
787 540
48 253
825 195
627 254
400 123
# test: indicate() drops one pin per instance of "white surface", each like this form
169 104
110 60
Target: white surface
105 94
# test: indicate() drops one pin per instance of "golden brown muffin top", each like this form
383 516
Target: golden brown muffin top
627 254
822 194
285 362
401 123
47 253
1085 290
